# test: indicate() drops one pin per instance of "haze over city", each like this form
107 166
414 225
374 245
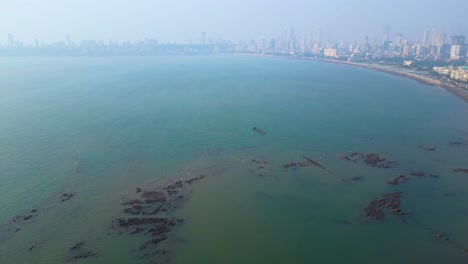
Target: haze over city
182 21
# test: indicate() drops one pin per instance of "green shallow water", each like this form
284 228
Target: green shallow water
100 127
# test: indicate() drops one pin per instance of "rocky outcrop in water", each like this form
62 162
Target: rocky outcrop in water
389 202
417 174
398 180
430 149
79 251
457 144
353 179
259 165
150 213
460 170
307 163
67 196
370 159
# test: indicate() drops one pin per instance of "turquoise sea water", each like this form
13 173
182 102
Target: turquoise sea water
101 127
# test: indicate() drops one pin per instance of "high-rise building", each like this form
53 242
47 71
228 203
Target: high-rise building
386 33
272 45
455 52
303 45
386 46
458 40
440 39
316 47
417 48
203 38
399 40
427 38
11 40
406 50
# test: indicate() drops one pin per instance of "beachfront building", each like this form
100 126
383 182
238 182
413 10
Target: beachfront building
459 73
330 53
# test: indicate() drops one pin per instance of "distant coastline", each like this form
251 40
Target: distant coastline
457 91
461 93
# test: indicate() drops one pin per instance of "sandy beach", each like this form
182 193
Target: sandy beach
461 93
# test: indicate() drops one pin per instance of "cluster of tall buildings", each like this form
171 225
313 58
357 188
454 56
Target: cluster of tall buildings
434 45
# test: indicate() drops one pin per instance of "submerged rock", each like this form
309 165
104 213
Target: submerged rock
77 246
307 163
149 214
67 196
398 180
417 174
460 170
389 201
85 255
370 159
457 144
353 179
427 148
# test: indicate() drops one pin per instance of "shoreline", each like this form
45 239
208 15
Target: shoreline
459 92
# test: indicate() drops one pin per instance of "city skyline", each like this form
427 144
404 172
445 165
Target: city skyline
428 36
183 21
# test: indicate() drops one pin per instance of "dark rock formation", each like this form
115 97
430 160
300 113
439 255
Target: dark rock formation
427 148
457 144
370 159
78 251
307 163
391 202
460 170
398 180
149 214
67 196
417 174
77 246
85 255
353 179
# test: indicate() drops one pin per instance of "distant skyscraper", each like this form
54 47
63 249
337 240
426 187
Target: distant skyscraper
440 39
203 38
68 41
386 46
292 35
318 36
417 49
455 52
303 45
458 40
386 33
272 45
427 38
399 40
406 50
11 40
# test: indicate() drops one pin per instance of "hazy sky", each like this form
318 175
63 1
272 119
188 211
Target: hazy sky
182 20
